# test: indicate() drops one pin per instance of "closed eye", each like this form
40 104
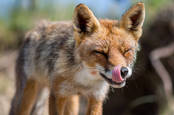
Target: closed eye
126 51
101 53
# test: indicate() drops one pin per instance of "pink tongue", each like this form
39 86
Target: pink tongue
116 75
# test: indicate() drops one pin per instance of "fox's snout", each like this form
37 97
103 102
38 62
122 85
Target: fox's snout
115 76
119 74
124 72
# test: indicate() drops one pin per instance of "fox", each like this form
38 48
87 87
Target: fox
85 56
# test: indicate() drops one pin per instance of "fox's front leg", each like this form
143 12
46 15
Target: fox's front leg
94 106
63 105
57 104
72 105
60 104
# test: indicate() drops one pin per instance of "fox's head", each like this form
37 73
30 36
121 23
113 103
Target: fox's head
108 47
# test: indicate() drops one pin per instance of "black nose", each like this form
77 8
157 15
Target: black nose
124 72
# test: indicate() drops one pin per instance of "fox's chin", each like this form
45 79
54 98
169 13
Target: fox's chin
119 86
112 83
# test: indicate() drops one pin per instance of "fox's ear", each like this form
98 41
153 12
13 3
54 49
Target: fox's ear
84 20
133 19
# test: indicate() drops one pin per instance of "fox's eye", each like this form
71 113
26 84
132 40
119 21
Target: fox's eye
127 52
100 53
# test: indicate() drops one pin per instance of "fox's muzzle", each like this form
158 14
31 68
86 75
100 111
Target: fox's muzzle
119 74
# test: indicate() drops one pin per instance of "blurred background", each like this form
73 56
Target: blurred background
150 90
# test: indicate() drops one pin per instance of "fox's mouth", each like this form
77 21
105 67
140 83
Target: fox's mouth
113 83
115 77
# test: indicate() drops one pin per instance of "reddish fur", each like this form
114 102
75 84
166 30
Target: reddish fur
94 107
93 72
110 40
28 98
72 105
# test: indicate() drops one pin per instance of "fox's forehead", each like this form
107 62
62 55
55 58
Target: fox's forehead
111 35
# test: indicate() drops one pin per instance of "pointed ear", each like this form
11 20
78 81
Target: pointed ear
133 19
84 20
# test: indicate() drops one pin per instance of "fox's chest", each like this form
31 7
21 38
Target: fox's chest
85 82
